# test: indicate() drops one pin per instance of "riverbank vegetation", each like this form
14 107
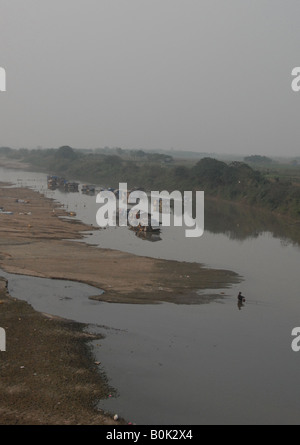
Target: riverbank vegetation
258 181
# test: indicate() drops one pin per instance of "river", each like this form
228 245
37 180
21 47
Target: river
204 364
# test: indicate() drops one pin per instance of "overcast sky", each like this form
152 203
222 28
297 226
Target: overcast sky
201 75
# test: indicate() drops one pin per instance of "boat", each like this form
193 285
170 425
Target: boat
146 223
88 189
55 182
71 186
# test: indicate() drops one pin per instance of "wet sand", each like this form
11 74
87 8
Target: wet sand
48 375
37 240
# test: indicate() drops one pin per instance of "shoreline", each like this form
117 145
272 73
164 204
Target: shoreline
37 240
48 374
284 218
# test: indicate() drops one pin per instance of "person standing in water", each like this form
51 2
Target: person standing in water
241 298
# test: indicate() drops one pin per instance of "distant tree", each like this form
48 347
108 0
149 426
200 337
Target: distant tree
112 160
66 152
5 150
211 171
140 154
167 159
257 159
24 151
181 172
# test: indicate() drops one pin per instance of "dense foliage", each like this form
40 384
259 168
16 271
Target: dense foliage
235 181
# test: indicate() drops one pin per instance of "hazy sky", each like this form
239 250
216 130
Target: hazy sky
201 75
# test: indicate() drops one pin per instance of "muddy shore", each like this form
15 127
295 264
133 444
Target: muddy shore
38 239
48 375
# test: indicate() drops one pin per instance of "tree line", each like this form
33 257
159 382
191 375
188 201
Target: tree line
234 181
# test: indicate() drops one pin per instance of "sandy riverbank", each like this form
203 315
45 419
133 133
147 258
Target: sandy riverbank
35 240
13 163
47 374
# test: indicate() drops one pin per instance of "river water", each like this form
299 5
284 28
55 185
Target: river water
173 364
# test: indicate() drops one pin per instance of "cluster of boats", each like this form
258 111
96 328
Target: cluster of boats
144 229
140 222
55 182
88 189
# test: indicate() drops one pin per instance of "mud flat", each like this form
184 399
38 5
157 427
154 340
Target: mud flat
48 375
13 163
37 240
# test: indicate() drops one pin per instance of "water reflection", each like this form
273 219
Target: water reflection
243 222
240 305
236 222
148 236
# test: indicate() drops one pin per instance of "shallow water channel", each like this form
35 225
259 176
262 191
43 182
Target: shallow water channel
173 364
